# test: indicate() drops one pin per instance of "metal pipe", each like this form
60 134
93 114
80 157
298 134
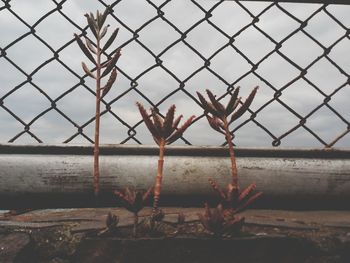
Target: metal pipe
57 175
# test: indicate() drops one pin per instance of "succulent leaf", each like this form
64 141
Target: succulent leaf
232 104
220 109
103 17
109 83
148 122
178 133
84 49
110 40
104 31
168 122
87 70
90 46
111 63
244 106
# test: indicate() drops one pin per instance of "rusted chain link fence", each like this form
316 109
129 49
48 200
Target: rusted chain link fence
296 53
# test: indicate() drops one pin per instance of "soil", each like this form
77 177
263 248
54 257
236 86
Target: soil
80 235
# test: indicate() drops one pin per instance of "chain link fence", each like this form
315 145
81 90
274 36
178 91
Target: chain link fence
298 54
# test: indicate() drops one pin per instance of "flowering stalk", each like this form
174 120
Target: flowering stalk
94 53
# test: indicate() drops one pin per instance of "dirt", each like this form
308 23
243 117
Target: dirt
78 235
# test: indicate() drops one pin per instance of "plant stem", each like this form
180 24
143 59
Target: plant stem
158 185
136 221
228 137
97 119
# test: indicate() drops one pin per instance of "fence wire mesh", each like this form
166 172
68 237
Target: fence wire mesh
296 53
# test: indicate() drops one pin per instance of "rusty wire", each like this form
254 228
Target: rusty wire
206 18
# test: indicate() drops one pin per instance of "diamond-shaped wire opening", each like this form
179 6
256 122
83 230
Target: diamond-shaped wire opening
339 54
248 41
277 31
250 135
341 14
302 97
30 12
324 29
10 77
340 102
301 11
181 61
183 14
54 79
225 17
325 76
52 127
135 12
158 35
229 64
276 111
157 84
29 53
56 30
79 105
301 49
299 138
277 71
27 109
11 128
8 20
203 80
135 59
206 39
324 116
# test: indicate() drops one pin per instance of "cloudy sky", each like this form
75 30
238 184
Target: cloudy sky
226 67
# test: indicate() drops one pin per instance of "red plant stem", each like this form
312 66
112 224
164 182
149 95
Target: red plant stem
228 137
136 222
97 120
158 185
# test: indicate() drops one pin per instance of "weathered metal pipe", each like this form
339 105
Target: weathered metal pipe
62 175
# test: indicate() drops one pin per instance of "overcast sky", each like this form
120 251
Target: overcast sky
27 102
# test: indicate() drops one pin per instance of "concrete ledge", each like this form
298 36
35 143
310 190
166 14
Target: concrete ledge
47 176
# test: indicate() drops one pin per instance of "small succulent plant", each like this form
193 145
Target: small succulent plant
219 223
94 52
133 201
164 131
229 201
111 224
233 200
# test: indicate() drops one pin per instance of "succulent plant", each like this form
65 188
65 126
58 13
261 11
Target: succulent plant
233 203
164 131
112 222
218 222
94 52
219 118
133 201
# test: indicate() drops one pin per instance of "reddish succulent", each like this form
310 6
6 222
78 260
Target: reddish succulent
164 131
133 200
94 51
218 222
234 200
219 118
